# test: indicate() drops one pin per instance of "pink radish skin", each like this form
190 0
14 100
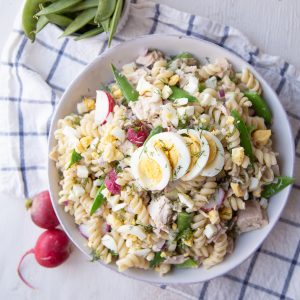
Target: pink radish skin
215 202
138 135
51 249
104 106
41 211
110 182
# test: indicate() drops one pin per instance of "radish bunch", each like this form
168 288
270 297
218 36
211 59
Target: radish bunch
52 247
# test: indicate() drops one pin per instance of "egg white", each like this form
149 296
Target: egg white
140 157
213 168
195 168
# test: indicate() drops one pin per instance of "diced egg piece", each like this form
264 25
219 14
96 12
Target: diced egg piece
109 242
199 152
134 230
176 150
215 160
151 168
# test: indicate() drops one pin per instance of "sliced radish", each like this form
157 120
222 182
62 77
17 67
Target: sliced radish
104 105
215 202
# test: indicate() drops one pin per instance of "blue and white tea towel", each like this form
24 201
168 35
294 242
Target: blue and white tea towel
33 78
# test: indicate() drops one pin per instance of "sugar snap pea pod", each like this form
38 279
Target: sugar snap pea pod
99 199
183 55
89 33
260 106
59 20
83 5
115 20
244 134
105 10
57 7
81 20
183 221
127 89
189 263
105 25
41 23
178 93
29 22
278 185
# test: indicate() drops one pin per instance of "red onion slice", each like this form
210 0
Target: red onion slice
215 202
83 228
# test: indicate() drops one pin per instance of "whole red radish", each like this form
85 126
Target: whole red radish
104 105
137 135
51 250
41 210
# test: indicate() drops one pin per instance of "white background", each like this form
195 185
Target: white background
273 25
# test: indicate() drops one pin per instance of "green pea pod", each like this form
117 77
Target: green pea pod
178 93
156 260
105 25
260 106
57 7
83 5
81 20
59 20
153 132
280 183
41 23
115 20
128 91
89 33
75 157
182 55
189 263
183 221
244 134
99 199
105 10
29 22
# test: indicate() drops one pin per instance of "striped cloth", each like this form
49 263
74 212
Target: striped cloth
33 78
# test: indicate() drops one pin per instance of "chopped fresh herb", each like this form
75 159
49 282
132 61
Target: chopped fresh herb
75 157
99 199
113 253
156 260
148 228
189 263
95 256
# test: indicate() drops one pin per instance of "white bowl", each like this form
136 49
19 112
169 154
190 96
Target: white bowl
98 72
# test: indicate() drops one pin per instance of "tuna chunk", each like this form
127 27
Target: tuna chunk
148 59
160 211
253 217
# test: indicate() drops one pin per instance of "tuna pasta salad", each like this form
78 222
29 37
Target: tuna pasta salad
168 163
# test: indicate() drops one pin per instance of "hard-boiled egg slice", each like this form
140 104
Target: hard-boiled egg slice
151 168
199 151
215 160
176 150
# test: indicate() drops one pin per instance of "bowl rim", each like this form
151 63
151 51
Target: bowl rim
227 52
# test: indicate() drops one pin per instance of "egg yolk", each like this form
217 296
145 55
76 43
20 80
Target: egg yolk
195 149
170 151
212 149
150 169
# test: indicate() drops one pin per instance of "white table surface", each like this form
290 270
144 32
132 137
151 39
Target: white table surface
271 24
